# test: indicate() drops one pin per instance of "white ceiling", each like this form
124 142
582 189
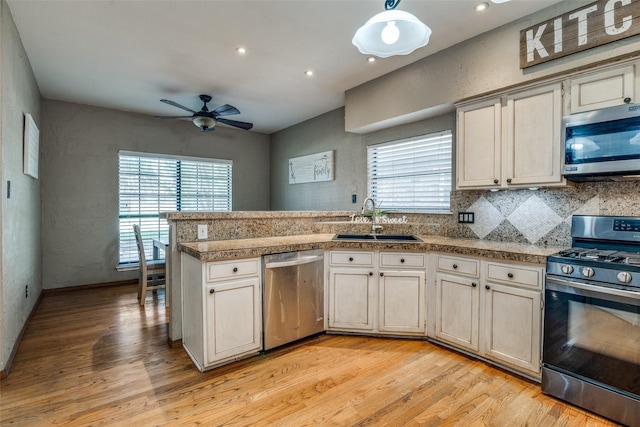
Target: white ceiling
127 55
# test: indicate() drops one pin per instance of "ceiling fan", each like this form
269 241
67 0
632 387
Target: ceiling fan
206 120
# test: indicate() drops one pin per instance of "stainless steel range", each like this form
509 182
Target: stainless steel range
591 347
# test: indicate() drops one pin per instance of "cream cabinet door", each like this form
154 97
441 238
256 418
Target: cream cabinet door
479 145
512 324
603 89
457 311
351 299
532 140
402 304
233 319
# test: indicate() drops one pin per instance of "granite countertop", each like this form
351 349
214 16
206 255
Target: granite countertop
217 250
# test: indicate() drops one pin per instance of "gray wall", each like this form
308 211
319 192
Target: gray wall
323 133
483 64
20 214
79 178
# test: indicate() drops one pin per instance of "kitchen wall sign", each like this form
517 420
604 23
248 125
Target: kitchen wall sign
312 168
595 24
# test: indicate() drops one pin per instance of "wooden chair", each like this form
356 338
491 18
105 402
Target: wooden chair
152 273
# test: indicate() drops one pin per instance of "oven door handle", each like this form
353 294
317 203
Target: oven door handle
583 289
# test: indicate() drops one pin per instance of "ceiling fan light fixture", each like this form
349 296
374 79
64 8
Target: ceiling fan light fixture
392 32
204 123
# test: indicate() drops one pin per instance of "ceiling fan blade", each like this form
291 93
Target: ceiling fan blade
173 117
175 104
225 110
241 125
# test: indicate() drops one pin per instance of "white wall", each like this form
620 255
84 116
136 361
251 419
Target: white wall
20 214
79 169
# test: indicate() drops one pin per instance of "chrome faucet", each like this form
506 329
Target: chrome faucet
375 227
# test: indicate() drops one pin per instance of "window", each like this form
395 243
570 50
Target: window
412 174
150 184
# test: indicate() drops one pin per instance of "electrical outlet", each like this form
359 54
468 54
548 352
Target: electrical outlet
202 231
466 217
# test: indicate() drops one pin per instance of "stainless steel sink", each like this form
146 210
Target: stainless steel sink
378 237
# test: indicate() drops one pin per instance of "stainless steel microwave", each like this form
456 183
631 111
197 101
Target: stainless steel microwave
602 144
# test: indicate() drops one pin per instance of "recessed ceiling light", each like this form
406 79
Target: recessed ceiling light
308 73
371 59
241 50
481 7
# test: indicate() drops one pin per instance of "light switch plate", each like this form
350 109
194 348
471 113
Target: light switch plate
202 231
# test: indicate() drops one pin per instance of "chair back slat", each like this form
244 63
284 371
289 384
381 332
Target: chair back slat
141 255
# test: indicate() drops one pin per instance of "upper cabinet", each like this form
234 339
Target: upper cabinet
605 88
512 141
479 148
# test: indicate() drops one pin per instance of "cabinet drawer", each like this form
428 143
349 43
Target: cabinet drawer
515 274
351 258
466 266
404 260
224 270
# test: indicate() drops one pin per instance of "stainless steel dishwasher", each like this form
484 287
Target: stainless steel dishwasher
293 296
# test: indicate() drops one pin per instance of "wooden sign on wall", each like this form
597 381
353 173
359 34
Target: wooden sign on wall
595 24
312 168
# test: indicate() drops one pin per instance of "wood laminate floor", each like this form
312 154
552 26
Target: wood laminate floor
95 357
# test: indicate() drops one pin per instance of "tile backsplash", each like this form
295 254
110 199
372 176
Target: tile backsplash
540 217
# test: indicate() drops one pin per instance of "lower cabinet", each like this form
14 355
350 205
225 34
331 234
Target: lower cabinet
457 310
512 326
351 299
222 310
381 293
494 310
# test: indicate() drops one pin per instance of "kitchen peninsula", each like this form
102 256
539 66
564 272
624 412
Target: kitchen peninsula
453 268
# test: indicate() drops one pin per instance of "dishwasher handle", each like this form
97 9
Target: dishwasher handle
297 261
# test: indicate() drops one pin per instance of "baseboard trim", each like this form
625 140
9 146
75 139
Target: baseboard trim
7 368
91 286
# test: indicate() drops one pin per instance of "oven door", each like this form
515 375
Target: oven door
592 345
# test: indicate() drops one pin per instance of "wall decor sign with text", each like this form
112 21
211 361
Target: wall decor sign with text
311 168
595 24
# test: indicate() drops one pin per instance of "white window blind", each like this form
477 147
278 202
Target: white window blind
151 184
411 174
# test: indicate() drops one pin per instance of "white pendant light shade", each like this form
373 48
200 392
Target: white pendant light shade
392 32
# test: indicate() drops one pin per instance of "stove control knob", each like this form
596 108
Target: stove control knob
588 272
624 277
567 269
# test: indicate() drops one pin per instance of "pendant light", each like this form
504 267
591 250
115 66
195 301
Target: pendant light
392 32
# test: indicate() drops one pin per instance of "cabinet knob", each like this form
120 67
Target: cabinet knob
473 285
235 269
495 181
509 180
371 273
211 291
401 259
627 100
510 275
455 266
350 258
381 274
487 287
